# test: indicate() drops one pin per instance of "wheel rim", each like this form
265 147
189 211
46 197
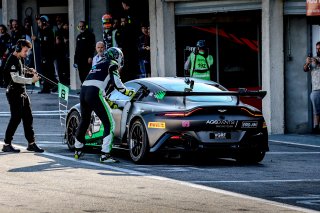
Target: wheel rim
137 139
72 128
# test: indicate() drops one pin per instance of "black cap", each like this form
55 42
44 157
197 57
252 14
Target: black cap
201 43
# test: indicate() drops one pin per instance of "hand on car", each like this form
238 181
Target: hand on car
130 93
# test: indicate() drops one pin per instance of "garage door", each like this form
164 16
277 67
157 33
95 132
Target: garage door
295 7
198 7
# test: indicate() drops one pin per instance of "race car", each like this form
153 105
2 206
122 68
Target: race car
172 114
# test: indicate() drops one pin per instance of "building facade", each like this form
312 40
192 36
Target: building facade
259 44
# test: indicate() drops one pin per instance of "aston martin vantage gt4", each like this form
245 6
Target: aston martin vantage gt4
171 114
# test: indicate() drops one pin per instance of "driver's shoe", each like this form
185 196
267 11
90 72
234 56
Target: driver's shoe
78 153
107 158
78 149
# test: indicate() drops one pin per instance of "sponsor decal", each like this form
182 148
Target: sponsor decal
313 8
92 144
219 122
222 123
249 124
94 70
157 125
185 123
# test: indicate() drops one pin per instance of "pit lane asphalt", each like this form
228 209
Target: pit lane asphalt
288 174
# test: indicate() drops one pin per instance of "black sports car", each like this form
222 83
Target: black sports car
177 114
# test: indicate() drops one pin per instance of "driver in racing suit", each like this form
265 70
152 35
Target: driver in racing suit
102 79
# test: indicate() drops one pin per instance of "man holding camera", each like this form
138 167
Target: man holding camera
199 63
313 64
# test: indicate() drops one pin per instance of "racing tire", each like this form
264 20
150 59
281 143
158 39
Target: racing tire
138 142
251 157
71 128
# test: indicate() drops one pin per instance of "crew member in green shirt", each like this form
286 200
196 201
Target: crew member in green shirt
199 63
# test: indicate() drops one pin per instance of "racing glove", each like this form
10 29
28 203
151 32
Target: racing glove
130 93
112 104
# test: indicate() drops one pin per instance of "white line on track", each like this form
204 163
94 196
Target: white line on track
292 153
255 181
38 113
291 143
49 134
188 184
50 142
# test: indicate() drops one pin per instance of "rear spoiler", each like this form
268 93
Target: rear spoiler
238 94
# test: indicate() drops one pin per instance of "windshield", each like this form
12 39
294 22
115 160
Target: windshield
198 87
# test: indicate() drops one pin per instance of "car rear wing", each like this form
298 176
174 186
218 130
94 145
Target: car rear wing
238 94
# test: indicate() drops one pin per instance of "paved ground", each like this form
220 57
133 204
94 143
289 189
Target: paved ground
306 139
289 174
45 183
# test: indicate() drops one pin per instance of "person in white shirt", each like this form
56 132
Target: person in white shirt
100 48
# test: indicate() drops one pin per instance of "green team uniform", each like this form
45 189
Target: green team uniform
200 66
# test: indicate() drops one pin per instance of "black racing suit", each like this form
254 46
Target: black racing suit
101 81
19 101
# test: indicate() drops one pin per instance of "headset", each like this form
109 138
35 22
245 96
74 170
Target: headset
21 43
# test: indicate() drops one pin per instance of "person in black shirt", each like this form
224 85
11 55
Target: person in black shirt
107 30
18 98
16 33
46 38
5 44
144 51
85 48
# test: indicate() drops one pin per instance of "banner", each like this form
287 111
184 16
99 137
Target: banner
313 7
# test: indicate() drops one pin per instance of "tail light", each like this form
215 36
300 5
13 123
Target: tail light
179 114
255 114
176 137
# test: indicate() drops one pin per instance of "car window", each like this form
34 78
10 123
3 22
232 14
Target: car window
133 85
199 87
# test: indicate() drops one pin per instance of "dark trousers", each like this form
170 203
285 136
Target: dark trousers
83 69
20 109
47 69
91 100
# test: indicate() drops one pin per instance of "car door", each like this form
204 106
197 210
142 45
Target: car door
124 104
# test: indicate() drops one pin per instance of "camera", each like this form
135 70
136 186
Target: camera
316 60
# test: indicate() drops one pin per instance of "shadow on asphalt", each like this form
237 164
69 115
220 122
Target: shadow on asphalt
201 161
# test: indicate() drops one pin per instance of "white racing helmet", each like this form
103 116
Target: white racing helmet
114 53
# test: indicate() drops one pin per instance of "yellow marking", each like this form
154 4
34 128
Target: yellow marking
157 125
